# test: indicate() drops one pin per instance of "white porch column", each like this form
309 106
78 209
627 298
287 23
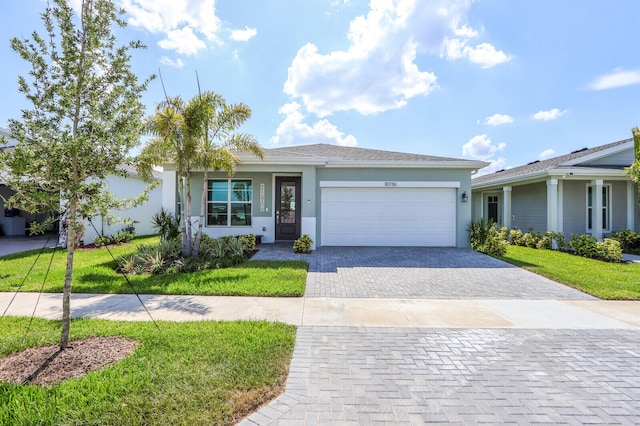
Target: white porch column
560 206
596 208
552 205
631 205
506 207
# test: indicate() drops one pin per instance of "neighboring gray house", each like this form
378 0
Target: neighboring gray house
584 192
339 196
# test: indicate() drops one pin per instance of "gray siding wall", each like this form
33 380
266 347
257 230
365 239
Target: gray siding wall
529 207
575 204
370 174
618 205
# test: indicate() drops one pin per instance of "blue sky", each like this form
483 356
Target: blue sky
505 81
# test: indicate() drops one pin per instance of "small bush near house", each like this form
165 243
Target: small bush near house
515 235
303 244
587 246
121 237
167 224
485 238
629 240
546 241
249 242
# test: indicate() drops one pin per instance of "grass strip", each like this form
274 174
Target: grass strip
190 373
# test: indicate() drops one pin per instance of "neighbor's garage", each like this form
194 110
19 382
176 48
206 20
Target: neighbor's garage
391 215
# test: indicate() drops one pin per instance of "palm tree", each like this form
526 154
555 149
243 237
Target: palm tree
213 123
172 142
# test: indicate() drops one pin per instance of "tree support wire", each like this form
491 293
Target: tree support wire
26 276
126 278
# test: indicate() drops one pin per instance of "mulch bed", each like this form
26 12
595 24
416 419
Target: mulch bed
47 365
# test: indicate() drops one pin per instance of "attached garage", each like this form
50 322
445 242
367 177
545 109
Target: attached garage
388 213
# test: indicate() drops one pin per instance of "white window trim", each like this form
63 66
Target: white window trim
609 207
229 202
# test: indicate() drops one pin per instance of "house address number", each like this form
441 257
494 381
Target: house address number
391 183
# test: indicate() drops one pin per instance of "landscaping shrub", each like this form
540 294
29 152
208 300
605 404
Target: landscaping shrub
249 242
485 238
303 244
587 246
167 224
629 240
478 232
516 237
122 237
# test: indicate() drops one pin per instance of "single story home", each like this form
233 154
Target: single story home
584 192
140 216
339 196
16 222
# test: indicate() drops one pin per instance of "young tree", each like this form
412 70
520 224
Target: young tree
172 142
85 117
634 170
214 124
198 135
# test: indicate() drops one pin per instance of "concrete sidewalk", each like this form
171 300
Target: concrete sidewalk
337 312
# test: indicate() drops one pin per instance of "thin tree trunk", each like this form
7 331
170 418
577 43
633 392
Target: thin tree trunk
188 209
66 292
203 205
183 216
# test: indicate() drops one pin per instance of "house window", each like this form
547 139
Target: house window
229 202
492 208
606 211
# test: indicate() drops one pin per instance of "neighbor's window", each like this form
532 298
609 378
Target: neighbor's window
229 202
606 213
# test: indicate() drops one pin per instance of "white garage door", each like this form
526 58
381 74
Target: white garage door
388 217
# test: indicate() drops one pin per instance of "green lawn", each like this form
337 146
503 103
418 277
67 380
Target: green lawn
188 373
94 273
615 281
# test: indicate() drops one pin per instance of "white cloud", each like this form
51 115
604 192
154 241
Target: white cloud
244 35
549 115
483 54
177 63
378 71
617 78
497 164
547 153
498 119
294 131
480 147
185 25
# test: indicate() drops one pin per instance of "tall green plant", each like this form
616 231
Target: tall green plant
85 116
634 170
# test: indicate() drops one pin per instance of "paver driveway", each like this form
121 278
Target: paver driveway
391 375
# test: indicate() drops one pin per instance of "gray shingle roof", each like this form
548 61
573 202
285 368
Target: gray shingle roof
346 153
543 165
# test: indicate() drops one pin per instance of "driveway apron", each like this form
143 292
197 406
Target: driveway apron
561 373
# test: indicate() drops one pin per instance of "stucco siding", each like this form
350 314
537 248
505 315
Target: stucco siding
618 205
529 207
128 187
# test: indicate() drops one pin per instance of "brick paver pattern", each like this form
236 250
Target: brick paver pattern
417 272
351 375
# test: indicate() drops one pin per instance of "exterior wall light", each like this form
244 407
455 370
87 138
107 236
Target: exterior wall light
465 197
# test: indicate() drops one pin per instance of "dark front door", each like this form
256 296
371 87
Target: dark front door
287 208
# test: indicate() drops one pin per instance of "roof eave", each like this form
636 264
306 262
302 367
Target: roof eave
599 154
561 172
445 164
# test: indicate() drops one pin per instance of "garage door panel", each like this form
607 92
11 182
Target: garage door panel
388 216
